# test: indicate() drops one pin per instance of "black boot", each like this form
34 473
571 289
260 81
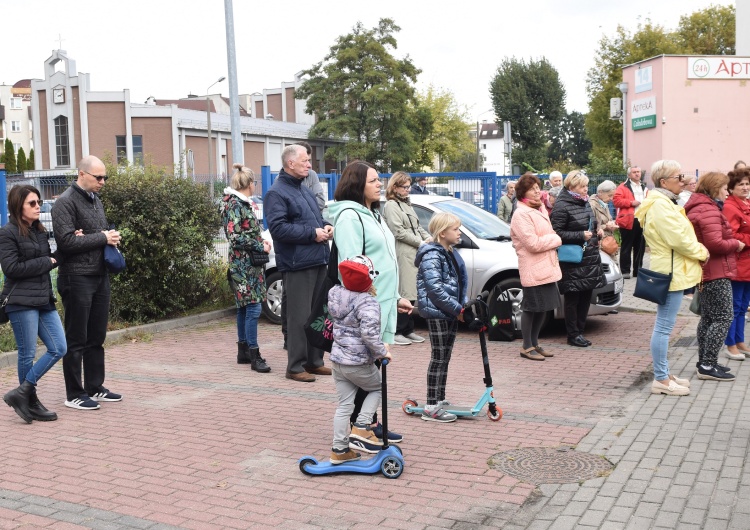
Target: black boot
19 400
243 353
38 411
257 362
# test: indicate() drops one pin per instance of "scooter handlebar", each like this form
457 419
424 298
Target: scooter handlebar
384 361
480 298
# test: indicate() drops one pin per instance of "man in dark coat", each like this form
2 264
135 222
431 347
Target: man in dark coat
300 237
81 232
420 186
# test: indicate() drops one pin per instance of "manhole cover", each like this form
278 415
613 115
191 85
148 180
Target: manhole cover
686 342
545 465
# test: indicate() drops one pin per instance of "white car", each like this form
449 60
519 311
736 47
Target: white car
490 259
46 216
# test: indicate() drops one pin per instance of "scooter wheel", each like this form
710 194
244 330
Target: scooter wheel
392 467
304 463
495 417
409 403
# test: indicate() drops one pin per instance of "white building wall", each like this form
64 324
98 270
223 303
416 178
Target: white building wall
493 155
23 137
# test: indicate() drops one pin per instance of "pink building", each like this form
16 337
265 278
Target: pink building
693 109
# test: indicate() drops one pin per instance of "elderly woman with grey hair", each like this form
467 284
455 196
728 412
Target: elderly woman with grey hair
600 205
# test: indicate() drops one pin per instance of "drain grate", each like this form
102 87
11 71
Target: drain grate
686 342
545 465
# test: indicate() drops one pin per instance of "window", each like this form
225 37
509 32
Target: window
61 141
16 147
15 126
16 103
122 149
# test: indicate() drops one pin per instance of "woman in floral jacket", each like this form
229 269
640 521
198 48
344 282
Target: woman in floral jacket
248 281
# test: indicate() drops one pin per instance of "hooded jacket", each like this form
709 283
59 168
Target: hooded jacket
737 213
356 226
292 214
439 292
26 265
667 228
713 230
570 218
244 235
356 327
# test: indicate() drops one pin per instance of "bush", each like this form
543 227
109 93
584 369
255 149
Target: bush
167 225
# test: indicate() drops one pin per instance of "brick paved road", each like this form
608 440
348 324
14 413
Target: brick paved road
200 442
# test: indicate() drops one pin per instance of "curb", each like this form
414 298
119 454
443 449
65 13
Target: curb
8 359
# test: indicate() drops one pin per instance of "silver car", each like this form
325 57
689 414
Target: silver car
490 260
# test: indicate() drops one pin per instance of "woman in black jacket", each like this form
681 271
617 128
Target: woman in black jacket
26 262
573 220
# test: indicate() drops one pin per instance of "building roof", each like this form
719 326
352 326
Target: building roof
489 131
243 112
187 104
23 83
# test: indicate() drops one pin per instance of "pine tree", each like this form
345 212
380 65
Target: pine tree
30 161
10 157
21 161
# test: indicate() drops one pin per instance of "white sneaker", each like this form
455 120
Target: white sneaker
415 338
400 340
673 389
734 356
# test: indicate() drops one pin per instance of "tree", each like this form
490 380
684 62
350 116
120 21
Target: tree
362 93
568 140
9 157
530 96
439 126
710 31
30 161
21 161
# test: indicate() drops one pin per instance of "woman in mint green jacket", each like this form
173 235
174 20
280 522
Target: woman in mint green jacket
357 224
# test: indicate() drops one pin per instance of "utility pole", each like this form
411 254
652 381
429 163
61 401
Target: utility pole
238 151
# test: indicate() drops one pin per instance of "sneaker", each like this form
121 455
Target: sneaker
364 433
365 447
393 437
713 374
106 395
438 414
444 403
626 275
734 356
400 340
340 456
415 338
84 403
672 389
718 367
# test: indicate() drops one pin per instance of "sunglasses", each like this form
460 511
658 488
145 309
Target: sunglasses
680 177
99 178
34 202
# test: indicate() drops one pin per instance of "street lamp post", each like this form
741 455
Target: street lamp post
208 121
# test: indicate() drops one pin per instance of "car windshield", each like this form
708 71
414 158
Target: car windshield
47 206
482 224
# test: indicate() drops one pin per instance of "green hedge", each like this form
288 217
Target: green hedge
168 225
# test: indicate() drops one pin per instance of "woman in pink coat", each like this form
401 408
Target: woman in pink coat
535 242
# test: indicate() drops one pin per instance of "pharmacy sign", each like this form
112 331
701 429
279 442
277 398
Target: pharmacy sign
643 113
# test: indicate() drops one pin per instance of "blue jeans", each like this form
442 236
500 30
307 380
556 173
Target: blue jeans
666 315
27 325
247 324
741 299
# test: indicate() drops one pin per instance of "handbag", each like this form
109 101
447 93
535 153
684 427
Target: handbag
258 259
114 261
653 286
3 315
695 305
609 245
319 326
570 253
500 314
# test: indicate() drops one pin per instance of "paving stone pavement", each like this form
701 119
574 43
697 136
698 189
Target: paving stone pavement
201 442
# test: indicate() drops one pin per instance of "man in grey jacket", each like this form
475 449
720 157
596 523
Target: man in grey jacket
81 232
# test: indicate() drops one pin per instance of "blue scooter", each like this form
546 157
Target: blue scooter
389 461
411 406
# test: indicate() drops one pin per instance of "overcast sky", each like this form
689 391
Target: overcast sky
170 48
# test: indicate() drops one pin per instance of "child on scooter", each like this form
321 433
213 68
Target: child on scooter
356 345
442 282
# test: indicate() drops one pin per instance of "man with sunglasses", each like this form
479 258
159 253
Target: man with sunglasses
628 197
81 232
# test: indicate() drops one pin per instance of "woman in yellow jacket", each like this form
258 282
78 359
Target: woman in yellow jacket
669 233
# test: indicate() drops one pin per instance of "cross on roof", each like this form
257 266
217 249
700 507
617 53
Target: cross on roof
59 39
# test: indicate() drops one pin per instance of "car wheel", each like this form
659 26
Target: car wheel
272 307
511 288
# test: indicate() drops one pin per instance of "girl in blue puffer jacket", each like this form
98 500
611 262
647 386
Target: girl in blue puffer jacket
442 282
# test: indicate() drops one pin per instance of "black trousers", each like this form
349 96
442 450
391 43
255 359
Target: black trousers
576 311
404 323
86 303
632 242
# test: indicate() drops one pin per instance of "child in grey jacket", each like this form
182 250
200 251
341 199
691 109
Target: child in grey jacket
356 345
